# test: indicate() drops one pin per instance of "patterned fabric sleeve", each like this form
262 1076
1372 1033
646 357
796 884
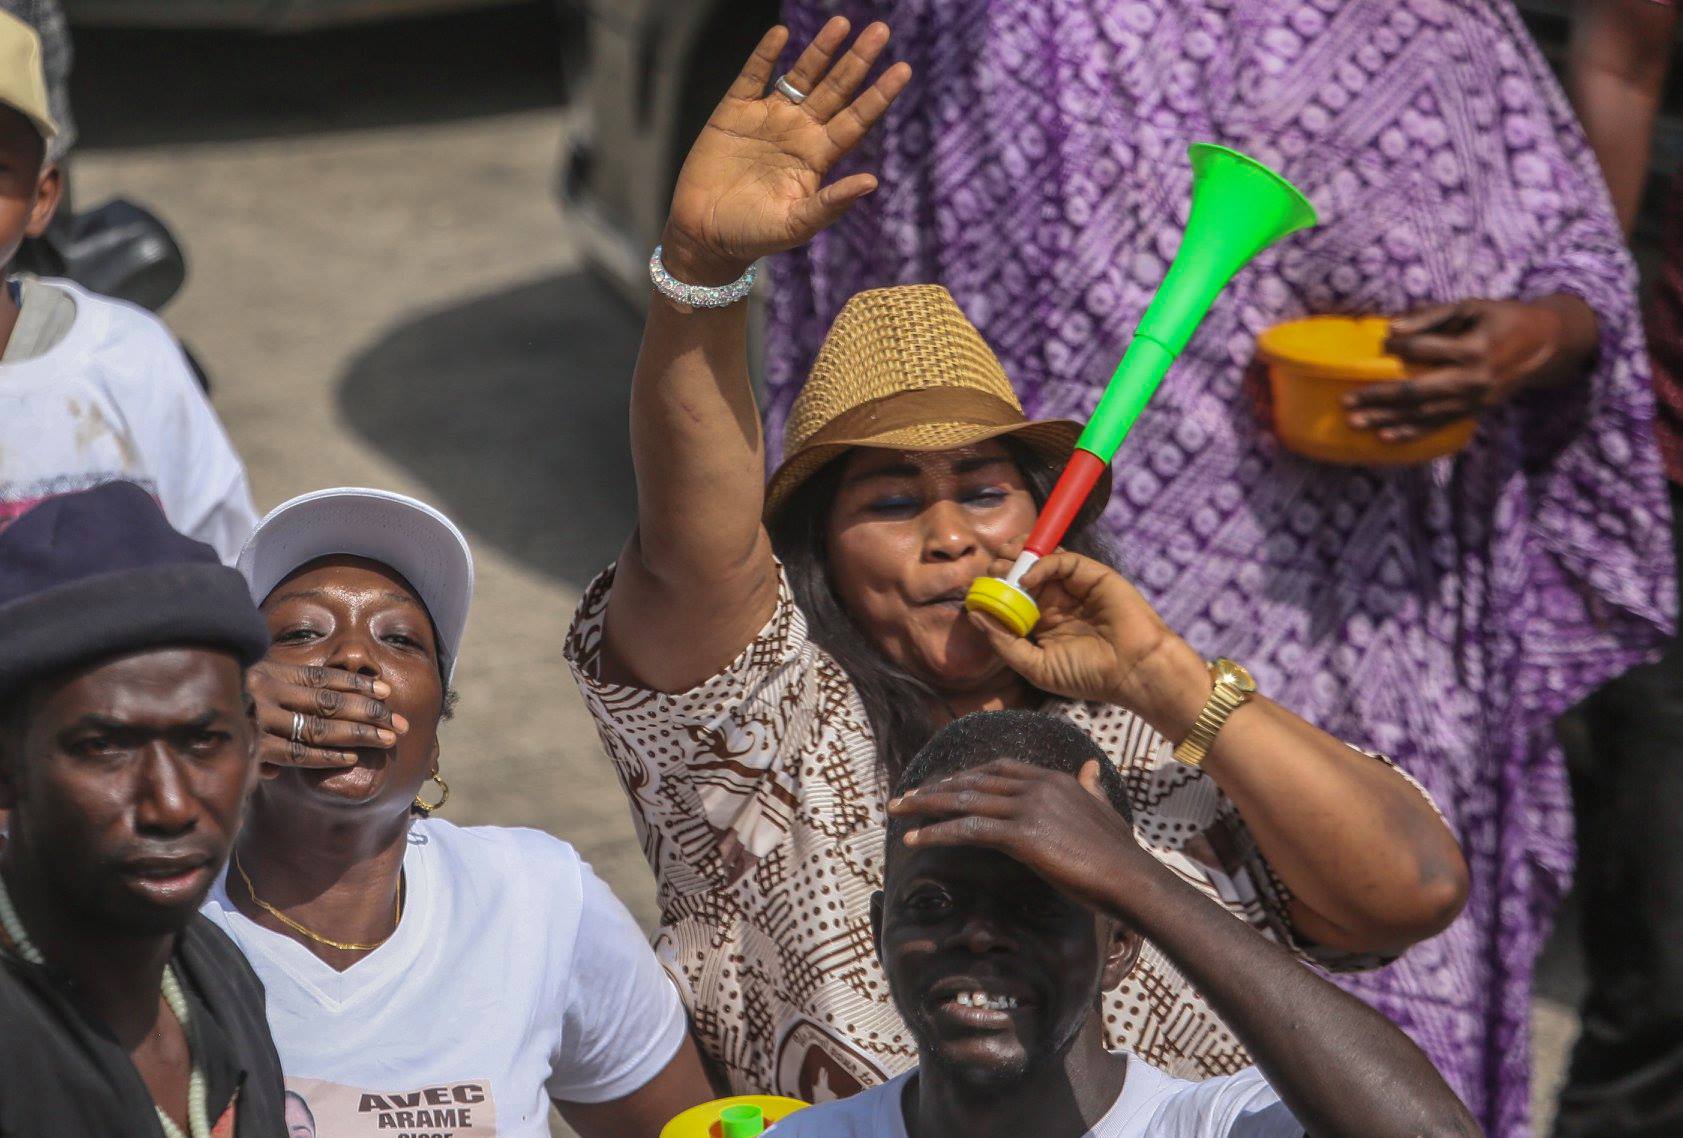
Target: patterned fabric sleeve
1592 494
710 772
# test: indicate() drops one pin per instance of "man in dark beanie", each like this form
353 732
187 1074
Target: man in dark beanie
126 758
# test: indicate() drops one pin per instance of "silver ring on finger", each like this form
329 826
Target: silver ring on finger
789 91
297 726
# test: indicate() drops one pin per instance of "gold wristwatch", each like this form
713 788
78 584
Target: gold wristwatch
1233 688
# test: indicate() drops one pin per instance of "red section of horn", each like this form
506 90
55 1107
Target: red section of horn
1068 496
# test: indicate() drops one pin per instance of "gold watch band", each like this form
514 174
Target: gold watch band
1226 697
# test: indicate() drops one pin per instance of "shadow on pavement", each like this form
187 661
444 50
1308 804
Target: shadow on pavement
511 410
145 87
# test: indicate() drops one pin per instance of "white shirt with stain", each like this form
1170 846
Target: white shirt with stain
112 398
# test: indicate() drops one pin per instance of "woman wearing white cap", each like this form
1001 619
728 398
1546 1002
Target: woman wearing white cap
424 977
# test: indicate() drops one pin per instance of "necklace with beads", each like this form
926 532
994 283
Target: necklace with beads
198 1112
342 945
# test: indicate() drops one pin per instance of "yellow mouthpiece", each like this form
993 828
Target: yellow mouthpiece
1005 602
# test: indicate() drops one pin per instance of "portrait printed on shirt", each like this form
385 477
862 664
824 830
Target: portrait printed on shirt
815 1066
316 1108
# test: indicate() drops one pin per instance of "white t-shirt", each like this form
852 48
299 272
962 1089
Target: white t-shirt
114 399
515 977
1152 1104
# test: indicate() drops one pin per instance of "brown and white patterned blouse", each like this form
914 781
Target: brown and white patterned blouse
760 804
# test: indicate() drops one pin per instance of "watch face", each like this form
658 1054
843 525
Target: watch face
1234 673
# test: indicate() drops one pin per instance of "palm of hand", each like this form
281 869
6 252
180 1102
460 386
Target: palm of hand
753 183
751 176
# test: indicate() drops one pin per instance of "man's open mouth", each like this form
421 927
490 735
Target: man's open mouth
985 1000
979 1003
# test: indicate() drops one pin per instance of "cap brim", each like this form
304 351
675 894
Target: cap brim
407 535
43 123
1052 438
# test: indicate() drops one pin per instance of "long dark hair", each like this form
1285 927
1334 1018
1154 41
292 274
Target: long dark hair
897 703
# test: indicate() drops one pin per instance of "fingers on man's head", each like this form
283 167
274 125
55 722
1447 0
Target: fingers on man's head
1090 780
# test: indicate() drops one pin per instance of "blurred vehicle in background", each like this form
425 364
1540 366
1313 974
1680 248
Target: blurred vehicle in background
654 71
269 15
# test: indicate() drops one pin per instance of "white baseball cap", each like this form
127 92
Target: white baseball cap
399 532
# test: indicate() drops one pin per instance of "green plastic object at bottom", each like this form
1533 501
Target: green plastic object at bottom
742 1121
1239 208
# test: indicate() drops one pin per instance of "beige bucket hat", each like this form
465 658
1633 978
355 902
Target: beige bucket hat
902 369
23 80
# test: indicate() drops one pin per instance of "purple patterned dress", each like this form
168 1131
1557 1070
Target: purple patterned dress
1443 614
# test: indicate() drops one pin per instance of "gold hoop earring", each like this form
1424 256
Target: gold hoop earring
428 809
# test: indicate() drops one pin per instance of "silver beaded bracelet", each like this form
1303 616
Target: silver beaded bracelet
699 296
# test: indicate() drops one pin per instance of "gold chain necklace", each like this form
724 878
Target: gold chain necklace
341 945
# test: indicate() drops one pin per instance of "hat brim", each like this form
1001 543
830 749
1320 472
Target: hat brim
48 128
1054 439
407 535
128 610
45 127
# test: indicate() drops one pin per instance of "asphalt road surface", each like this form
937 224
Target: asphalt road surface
385 293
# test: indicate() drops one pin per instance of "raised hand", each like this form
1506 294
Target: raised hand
1099 639
753 183
334 710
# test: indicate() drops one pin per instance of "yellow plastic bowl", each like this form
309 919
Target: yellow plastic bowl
703 1121
1313 364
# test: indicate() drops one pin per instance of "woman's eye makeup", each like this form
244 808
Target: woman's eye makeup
902 505
894 504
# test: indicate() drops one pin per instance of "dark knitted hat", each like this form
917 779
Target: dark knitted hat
94 574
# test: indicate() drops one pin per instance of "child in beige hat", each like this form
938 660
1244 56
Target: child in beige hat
29 184
92 390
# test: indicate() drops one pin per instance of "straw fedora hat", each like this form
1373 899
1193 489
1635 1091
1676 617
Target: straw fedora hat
902 369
